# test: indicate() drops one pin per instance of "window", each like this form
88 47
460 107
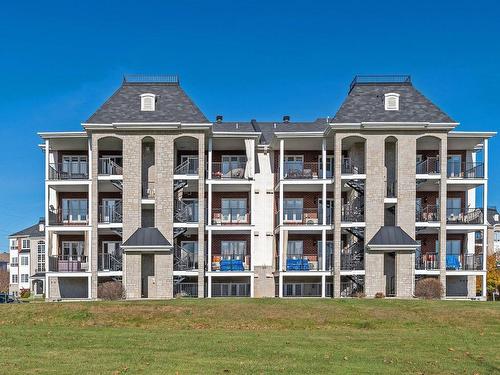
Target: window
293 209
497 236
24 278
293 164
329 166
232 163
391 102
190 255
148 102
454 165
75 165
74 210
15 278
14 261
453 247
234 210
41 256
233 249
13 244
295 249
72 250
24 261
26 244
329 210
191 209
454 208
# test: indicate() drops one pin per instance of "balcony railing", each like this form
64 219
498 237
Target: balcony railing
353 211
427 261
350 166
185 212
110 214
467 262
185 260
109 262
235 170
230 216
77 170
230 289
186 289
352 258
428 166
464 216
111 165
298 170
427 213
307 262
230 262
351 288
302 290
465 169
302 216
63 263
68 217
190 166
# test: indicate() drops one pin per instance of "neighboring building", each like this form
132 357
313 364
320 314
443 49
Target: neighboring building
493 231
28 259
154 194
4 261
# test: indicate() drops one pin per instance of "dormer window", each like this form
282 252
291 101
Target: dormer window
148 102
392 102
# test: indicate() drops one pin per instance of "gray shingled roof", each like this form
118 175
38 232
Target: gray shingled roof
32 231
365 103
492 211
268 128
391 236
146 237
172 105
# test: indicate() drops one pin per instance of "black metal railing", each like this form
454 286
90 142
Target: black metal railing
186 289
428 166
302 216
427 213
464 216
109 262
230 216
225 170
350 166
352 258
298 170
77 170
63 263
110 165
110 214
185 212
427 261
369 79
68 216
185 260
467 262
303 262
230 289
353 212
190 166
233 261
302 290
351 287
465 169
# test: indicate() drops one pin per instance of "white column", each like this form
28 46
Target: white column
281 213
280 263
252 283
209 204
89 198
252 252
47 158
252 203
323 204
209 158
282 158
209 286
323 250
323 286
485 243
485 185
46 211
89 286
323 158
209 250
280 285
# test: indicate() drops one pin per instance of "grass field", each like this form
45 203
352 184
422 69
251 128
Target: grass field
224 336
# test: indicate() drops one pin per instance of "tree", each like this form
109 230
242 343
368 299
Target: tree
4 281
493 274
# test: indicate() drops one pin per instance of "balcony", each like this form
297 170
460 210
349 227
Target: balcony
185 260
304 216
465 170
308 262
301 289
427 261
230 216
109 262
298 170
64 263
428 166
230 262
352 258
189 166
427 214
465 262
353 211
464 216
185 211
110 214
110 166
350 166
68 217
77 170
230 289
228 170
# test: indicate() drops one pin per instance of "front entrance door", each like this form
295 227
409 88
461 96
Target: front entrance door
147 272
390 274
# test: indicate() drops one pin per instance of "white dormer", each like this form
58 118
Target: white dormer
148 102
391 101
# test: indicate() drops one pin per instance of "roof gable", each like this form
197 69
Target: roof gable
392 236
147 237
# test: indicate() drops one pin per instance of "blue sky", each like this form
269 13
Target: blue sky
244 60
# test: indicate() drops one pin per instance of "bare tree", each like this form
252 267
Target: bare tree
4 281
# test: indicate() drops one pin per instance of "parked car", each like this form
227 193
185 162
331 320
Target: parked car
7 298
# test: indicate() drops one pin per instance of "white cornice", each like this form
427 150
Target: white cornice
49 135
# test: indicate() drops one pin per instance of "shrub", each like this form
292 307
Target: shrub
379 295
359 295
429 288
25 293
110 290
4 281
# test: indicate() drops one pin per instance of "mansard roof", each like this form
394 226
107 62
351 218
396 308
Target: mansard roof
392 236
32 231
147 237
365 102
172 103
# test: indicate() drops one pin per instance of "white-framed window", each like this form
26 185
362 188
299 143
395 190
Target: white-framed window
72 250
234 210
295 248
190 255
391 101
453 208
25 244
74 210
148 102
75 165
454 165
329 166
231 163
329 210
14 261
293 209
13 244
24 261
15 278
497 236
453 247
233 249
40 256
24 278
293 164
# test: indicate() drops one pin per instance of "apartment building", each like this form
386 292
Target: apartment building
28 259
156 195
493 231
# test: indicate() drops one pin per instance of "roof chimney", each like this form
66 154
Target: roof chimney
286 119
218 118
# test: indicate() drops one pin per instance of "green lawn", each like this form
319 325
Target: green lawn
224 336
